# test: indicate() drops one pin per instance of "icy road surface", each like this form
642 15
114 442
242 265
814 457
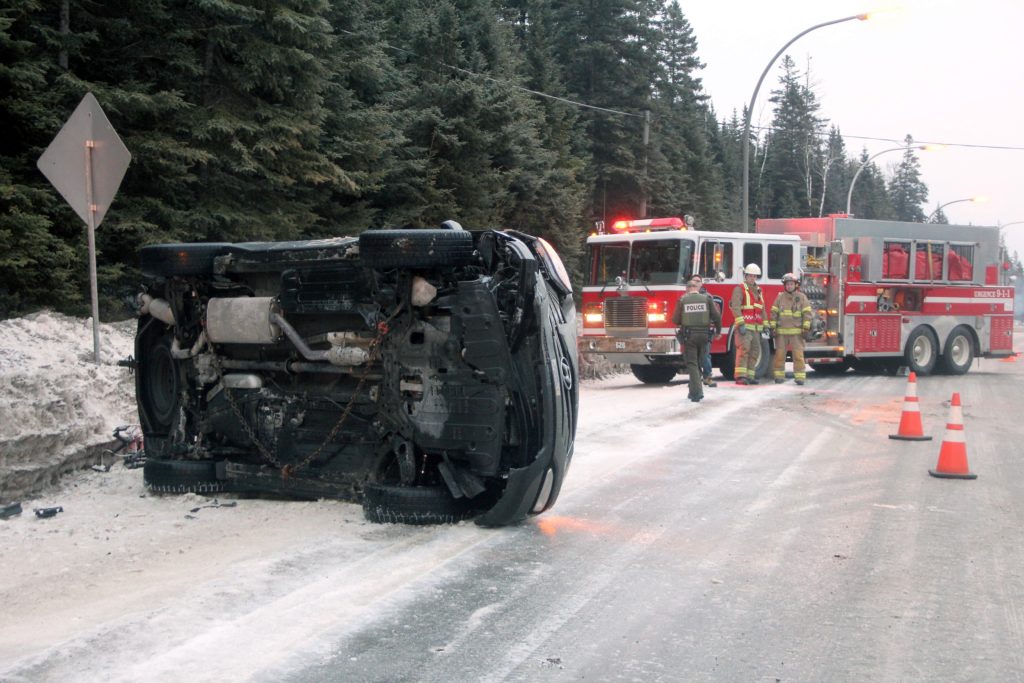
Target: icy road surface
769 533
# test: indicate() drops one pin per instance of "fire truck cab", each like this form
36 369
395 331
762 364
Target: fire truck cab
638 271
888 294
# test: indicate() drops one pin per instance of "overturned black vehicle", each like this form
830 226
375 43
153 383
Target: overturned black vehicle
429 374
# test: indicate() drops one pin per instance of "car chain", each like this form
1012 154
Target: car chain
289 469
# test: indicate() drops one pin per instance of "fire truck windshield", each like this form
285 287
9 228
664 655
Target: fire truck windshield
642 262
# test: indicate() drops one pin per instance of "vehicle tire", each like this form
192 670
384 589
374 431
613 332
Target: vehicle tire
168 260
831 368
159 381
726 363
415 248
654 374
764 363
419 505
922 351
163 475
959 353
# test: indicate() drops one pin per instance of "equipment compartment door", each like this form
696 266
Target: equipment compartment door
1002 333
877 333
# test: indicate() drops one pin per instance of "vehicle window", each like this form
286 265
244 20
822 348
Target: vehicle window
660 262
780 260
608 261
961 262
896 260
715 257
928 260
753 252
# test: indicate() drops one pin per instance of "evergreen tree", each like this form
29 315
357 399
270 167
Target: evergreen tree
684 176
939 216
792 157
608 49
363 126
835 175
549 191
257 116
39 261
907 192
727 146
870 198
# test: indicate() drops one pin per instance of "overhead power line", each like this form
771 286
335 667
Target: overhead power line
506 83
618 112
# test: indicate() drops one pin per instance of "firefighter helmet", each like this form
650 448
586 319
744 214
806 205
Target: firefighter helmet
752 269
789 277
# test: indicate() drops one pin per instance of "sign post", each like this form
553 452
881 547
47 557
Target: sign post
87 137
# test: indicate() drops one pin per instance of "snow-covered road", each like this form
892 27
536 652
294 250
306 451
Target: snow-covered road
770 531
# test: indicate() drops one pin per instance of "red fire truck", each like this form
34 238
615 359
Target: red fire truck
638 271
890 294
885 294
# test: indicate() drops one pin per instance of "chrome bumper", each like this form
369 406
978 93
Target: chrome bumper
643 345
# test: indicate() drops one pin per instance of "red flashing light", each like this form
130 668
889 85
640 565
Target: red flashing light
648 225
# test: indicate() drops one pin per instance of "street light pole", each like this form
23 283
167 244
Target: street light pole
849 195
750 109
976 200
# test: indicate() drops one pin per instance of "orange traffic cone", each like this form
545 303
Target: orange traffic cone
953 454
910 421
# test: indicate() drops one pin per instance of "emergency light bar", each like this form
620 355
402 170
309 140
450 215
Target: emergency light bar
649 224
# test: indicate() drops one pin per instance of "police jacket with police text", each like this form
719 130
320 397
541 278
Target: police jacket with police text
698 313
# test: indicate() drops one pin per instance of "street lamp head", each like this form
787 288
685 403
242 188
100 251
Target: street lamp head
978 199
884 12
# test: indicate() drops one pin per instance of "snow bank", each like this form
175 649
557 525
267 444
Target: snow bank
57 407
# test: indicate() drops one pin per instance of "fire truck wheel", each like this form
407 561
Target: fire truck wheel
922 351
959 353
764 363
726 363
830 368
654 374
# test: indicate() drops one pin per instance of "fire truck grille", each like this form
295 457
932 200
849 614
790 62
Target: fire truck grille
625 311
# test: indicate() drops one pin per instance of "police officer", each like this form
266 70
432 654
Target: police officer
791 319
706 368
747 305
694 314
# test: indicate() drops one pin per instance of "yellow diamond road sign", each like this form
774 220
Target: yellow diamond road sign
86 151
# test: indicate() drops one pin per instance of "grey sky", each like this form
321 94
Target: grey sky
948 71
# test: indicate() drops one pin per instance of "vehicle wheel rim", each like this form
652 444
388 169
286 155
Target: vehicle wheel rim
960 350
922 351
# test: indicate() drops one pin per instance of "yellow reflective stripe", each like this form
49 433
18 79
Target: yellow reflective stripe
788 330
805 309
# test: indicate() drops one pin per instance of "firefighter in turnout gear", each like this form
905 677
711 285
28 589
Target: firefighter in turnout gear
790 320
695 314
747 305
